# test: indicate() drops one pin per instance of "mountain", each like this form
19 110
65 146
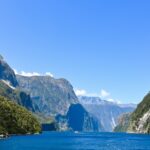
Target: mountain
106 112
78 119
9 86
50 96
139 120
123 123
15 119
16 95
6 73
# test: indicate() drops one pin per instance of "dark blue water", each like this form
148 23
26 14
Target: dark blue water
81 141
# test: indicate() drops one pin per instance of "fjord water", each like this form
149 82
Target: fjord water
77 141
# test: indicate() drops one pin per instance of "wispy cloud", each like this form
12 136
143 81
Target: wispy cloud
114 100
15 71
49 74
82 92
30 74
104 94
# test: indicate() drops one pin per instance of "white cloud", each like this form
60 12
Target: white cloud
110 100
104 93
80 92
114 101
49 74
16 72
30 74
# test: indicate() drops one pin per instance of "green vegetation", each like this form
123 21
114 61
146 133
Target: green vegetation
142 108
15 119
139 123
139 120
44 120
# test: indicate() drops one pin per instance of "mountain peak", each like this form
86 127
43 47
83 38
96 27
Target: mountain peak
6 73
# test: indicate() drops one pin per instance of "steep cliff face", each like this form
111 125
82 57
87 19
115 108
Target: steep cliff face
123 123
78 119
6 73
16 95
49 95
9 86
139 120
106 112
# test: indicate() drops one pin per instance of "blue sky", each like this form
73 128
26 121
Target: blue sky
98 45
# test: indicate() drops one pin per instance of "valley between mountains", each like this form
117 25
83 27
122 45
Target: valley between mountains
28 102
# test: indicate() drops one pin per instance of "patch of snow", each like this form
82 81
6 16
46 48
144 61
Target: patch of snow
8 84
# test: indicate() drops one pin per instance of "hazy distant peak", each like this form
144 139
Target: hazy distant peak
99 101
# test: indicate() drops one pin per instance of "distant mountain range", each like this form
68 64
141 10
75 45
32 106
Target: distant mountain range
54 101
45 96
106 112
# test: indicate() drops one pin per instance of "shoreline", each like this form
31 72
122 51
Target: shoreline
5 136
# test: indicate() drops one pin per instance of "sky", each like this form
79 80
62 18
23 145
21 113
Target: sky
101 46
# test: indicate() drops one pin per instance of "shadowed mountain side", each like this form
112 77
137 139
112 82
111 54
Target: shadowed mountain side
78 119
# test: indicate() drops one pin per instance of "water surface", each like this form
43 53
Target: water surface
80 141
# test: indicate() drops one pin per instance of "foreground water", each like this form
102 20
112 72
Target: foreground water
78 141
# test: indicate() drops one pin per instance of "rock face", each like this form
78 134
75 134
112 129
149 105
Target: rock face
106 112
9 86
16 95
49 95
139 120
123 123
6 73
14 119
78 119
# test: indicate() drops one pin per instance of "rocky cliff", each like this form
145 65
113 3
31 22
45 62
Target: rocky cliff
49 95
139 120
78 119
